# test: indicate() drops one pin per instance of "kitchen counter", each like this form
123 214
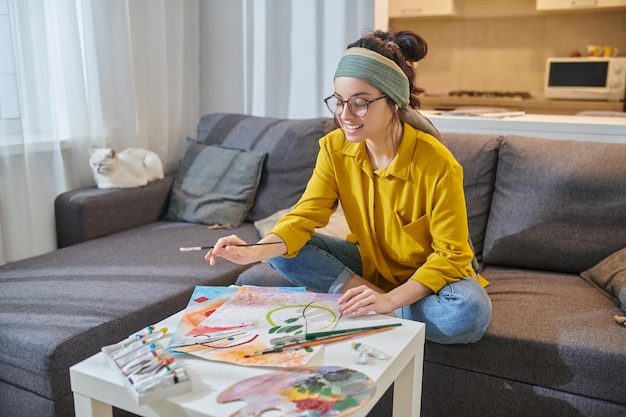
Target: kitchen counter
582 128
534 105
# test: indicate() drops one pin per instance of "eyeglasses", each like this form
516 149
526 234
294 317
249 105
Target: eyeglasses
356 105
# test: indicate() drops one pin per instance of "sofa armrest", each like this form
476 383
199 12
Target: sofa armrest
89 213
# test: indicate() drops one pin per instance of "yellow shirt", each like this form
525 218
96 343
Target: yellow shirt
408 220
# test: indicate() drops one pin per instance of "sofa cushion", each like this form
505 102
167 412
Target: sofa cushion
609 276
291 147
478 155
558 205
215 185
488 396
548 329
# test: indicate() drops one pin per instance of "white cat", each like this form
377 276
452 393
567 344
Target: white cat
128 168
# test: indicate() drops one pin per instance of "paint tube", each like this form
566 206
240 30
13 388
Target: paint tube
150 367
141 379
362 358
142 360
136 344
133 337
374 353
160 381
124 360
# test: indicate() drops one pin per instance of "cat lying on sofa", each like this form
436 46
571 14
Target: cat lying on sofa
133 167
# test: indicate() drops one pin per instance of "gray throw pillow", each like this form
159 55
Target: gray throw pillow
291 146
609 276
558 205
215 185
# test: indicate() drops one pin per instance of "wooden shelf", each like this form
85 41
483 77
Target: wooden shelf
583 5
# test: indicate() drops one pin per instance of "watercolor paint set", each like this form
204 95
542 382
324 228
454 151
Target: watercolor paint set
150 372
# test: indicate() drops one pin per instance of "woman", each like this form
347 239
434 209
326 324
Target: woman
401 190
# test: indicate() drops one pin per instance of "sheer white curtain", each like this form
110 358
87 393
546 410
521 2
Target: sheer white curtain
112 73
291 50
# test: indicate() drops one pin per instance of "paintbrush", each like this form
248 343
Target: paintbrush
192 248
322 341
320 335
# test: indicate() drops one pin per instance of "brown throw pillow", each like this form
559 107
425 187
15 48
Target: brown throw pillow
610 277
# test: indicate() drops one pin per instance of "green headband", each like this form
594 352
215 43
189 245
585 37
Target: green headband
377 70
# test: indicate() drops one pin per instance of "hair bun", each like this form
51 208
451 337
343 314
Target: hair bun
413 46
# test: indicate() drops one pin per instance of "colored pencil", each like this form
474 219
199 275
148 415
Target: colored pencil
192 248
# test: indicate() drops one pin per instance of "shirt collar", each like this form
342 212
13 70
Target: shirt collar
400 165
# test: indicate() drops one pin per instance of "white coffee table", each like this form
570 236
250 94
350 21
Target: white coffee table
98 387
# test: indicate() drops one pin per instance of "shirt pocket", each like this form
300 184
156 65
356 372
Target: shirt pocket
411 241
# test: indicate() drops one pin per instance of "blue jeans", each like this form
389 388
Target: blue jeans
459 313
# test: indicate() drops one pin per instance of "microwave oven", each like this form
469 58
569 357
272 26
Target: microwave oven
589 78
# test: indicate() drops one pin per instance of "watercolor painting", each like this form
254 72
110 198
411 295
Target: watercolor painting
251 317
203 302
326 391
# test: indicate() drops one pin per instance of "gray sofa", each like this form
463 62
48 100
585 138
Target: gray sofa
541 212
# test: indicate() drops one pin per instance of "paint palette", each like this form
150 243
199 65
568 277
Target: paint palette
326 391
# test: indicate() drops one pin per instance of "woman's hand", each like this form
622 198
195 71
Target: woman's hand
236 250
226 248
362 300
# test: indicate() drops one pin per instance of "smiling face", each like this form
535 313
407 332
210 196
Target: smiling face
374 125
